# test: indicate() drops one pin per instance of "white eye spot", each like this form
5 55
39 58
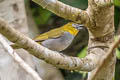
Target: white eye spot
74 25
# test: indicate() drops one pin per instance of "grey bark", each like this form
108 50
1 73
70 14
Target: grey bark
13 12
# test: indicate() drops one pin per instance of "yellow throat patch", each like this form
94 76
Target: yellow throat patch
68 28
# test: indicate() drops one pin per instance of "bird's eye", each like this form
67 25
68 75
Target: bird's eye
77 26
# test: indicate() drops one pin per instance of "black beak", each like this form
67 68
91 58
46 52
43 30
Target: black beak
80 26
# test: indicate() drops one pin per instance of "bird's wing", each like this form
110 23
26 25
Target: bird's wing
55 33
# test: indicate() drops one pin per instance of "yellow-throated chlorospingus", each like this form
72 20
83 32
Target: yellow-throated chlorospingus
60 38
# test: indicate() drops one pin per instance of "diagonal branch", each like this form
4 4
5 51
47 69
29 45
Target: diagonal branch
20 62
59 60
65 11
107 57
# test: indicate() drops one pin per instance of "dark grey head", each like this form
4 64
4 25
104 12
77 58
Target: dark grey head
78 26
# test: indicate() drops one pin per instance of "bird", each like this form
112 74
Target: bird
58 39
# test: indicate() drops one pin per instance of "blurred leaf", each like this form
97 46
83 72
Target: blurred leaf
26 1
117 50
118 53
117 17
83 53
43 16
117 2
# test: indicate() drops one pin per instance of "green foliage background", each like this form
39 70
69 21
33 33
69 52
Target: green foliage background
46 20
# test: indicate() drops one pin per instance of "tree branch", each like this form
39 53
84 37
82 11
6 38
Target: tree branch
15 56
107 58
103 3
65 11
57 59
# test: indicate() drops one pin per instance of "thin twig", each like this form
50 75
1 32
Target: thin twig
15 56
